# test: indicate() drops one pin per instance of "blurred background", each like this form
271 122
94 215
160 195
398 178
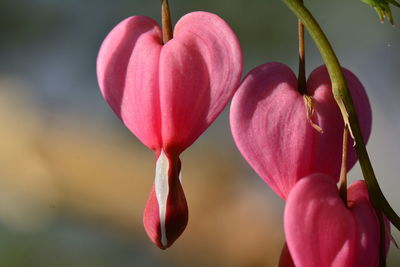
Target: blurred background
74 180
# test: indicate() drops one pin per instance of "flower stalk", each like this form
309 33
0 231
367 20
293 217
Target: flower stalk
343 170
301 77
166 21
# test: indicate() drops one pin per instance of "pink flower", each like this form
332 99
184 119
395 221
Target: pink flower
322 232
167 95
269 125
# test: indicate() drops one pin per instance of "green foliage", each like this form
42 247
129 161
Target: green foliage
383 8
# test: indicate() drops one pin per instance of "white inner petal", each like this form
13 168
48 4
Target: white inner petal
162 189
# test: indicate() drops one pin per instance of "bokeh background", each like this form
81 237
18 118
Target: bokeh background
74 180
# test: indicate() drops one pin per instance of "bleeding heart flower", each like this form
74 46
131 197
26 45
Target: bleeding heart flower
167 95
270 126
322 232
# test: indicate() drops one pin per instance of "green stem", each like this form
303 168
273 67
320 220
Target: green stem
343 99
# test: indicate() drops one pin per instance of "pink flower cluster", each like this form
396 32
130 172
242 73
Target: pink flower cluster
168 94
302 165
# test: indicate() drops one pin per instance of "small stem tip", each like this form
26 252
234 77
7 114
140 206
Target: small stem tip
302 83
166 21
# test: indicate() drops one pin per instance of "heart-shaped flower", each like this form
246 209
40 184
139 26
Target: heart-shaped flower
271 128
321 231
167 95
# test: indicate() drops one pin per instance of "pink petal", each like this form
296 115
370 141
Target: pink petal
366 219
321 231
269 125
168 95
200 70
127 70
329 118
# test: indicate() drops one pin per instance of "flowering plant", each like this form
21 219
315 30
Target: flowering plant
167 86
